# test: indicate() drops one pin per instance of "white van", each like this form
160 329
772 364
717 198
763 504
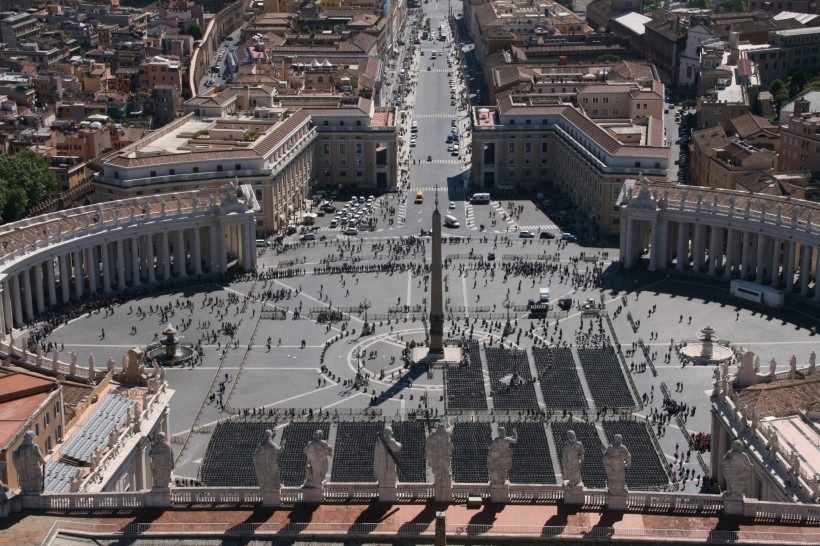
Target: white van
334 223
261 243
451 221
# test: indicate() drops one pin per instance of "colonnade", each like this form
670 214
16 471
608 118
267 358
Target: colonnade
703 231
126 257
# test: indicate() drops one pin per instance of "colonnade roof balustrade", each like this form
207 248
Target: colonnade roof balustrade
769 209
20 238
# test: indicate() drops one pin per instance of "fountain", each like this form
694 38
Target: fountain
709 351
170 351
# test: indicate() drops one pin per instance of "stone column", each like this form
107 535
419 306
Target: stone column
713 253
92 268
16 301
654 245
179 253
8 320
166 256
28 303
134 243
149 246
65 280
51 282
39 298
683 247
715 455
760 270
744 256
629 256
222 252
662 243
790 259
213 264
805 270
247 248
624 228
697 247
775 269
120 265
106 268
196 252
730 251
78 273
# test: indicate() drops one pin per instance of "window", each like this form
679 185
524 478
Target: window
359 174
343 173
326 163
529 122
343 162
327 148
343 148
511 148
637 164
57 407
512 122
48 443
544 147
36 429
219 168
238 167
358 148
359 162
153 174
326 123
359 122
511 173
172 171
528 147
47 419
196 169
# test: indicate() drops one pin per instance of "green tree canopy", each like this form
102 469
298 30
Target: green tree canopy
737 6
25 182
195 31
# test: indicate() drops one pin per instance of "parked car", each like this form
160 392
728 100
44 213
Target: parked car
569 237
308 237
351 231
525 235
546 235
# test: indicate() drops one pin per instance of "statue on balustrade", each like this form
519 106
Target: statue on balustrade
384 458
499 457
616 460
572 458
736 468
30 464
162 462
317 452
438 451
266 464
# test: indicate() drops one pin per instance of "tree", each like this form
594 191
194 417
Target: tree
797 82
25 182
697 4
737 6
195 31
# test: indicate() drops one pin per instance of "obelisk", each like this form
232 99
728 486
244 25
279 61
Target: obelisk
436 303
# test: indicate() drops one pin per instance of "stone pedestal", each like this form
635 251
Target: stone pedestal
271 499
444 493
734 505
574 494
616 501
312 495
158 497
422 356
387 493
500 492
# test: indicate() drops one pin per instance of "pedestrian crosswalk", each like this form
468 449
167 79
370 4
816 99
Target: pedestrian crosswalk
439 162
435 116
538 227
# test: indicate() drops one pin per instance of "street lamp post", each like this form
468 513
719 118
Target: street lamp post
507 304
365 305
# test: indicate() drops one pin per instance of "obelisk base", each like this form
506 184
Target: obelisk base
423 356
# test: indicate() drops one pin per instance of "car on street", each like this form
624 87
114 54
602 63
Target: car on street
455 149
351 231
308 237
452 206
525 235
546 235
491 256
450 148
427 233
569 237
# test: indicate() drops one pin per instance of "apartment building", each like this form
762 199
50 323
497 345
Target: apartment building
800 142
788 51
17 28
531 143
274 155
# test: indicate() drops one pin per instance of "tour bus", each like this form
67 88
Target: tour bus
419 197
480 199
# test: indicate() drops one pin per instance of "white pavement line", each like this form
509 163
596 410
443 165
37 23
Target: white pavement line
409 288
464 295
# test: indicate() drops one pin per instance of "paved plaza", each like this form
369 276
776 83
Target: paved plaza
267 343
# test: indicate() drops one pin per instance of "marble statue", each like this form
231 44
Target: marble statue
438 451
317 451
572 457
162 462
384 465
772 367
499 457
266 464
55 360
616 460
736 467
812 362
30 464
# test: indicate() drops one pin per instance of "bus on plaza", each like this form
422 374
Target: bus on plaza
480 199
